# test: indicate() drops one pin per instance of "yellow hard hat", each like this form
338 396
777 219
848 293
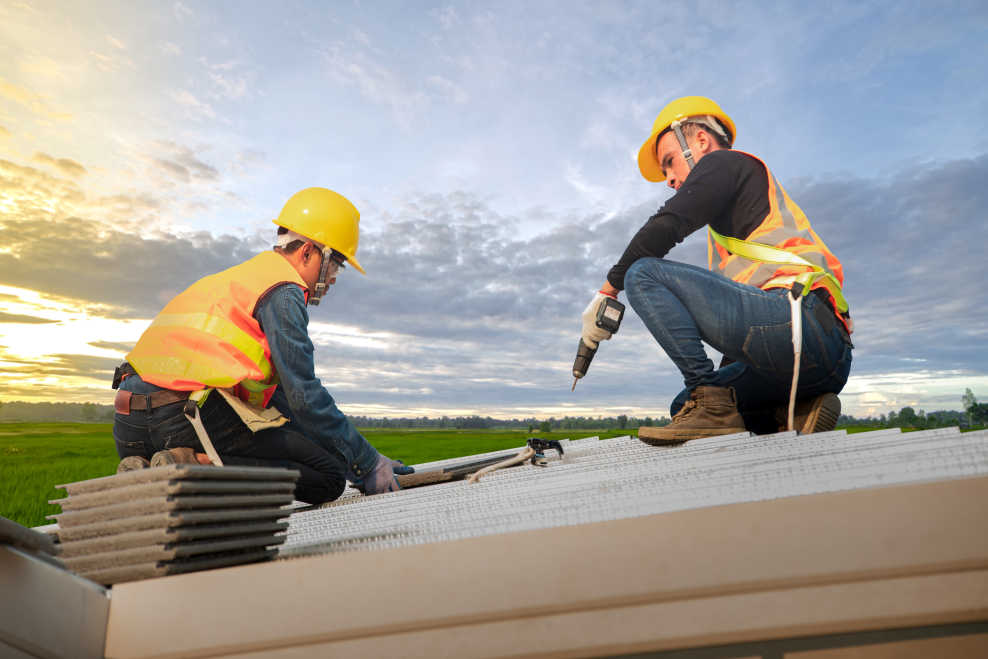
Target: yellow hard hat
326 217
678 110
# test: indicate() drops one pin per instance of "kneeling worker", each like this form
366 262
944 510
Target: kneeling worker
768 272
244 332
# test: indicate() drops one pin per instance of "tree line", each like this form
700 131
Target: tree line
973 414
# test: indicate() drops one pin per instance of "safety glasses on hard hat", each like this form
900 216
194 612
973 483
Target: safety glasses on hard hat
338 259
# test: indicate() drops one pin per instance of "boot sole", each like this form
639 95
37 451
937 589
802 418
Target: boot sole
656 437
823 414
132 463
166 457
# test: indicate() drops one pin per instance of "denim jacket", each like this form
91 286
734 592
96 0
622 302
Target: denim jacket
300 395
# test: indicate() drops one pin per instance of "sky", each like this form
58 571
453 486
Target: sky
490 148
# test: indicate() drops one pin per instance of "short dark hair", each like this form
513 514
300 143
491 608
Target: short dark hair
690 129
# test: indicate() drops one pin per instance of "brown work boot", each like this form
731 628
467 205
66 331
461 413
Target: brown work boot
174 456
710 411
818 414
132 463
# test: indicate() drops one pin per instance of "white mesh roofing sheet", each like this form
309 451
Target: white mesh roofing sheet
623 477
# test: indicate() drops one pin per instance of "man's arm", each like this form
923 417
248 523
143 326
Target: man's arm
707 193
284 319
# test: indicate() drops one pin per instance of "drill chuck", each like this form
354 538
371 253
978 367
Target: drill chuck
584 355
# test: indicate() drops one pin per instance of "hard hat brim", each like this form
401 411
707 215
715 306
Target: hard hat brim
352 261
648 165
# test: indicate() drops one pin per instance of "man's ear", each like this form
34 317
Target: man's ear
703 141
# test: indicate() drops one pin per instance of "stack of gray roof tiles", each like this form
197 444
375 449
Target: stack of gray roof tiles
174 519
619 478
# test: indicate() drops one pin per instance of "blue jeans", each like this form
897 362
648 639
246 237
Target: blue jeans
144 432
684 306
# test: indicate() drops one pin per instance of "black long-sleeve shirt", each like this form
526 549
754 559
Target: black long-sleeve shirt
726 189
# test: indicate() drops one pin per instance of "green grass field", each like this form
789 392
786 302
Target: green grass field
34 457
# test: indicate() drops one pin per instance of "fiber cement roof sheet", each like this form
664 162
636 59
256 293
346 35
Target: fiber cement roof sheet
624 478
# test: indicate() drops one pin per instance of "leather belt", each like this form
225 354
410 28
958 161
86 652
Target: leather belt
127 401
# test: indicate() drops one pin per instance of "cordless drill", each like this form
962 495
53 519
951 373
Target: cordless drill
609 315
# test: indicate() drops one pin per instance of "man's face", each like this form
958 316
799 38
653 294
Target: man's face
670 158
311 261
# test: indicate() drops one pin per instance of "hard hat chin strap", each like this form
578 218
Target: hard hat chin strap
321 285
677 128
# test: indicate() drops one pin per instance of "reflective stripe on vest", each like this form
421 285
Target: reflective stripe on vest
207 335
787 229
772 255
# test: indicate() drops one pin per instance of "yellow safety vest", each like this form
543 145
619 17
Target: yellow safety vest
207 335
780 252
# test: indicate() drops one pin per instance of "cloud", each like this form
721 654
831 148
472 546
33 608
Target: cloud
449 89
80 365
459 310
358 64
197 109
180 163
65 165
102 263
21 318
181 11
32 101
110 345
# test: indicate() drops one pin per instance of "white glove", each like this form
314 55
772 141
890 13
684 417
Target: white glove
592 335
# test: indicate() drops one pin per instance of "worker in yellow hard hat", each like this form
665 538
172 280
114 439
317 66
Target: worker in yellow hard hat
225 373
771 300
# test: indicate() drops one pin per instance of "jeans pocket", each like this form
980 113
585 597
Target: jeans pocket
130 438
769 348
173 430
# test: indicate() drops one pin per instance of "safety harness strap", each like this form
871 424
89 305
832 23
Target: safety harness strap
767 254
196 399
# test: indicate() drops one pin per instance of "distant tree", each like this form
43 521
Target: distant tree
907 418
978 413
89 412
622 421
968 401
545 426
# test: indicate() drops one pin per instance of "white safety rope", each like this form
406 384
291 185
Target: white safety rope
200 429
796 311
513 460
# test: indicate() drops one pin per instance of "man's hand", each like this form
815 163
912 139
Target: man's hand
382 477
593 335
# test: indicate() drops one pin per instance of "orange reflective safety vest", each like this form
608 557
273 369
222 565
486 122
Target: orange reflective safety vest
207 335
784 227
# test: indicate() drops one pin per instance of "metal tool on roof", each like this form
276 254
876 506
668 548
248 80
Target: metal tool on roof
535 449
540 446
609 316
449 472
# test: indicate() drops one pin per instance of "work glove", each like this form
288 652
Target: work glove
382 477
593 335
